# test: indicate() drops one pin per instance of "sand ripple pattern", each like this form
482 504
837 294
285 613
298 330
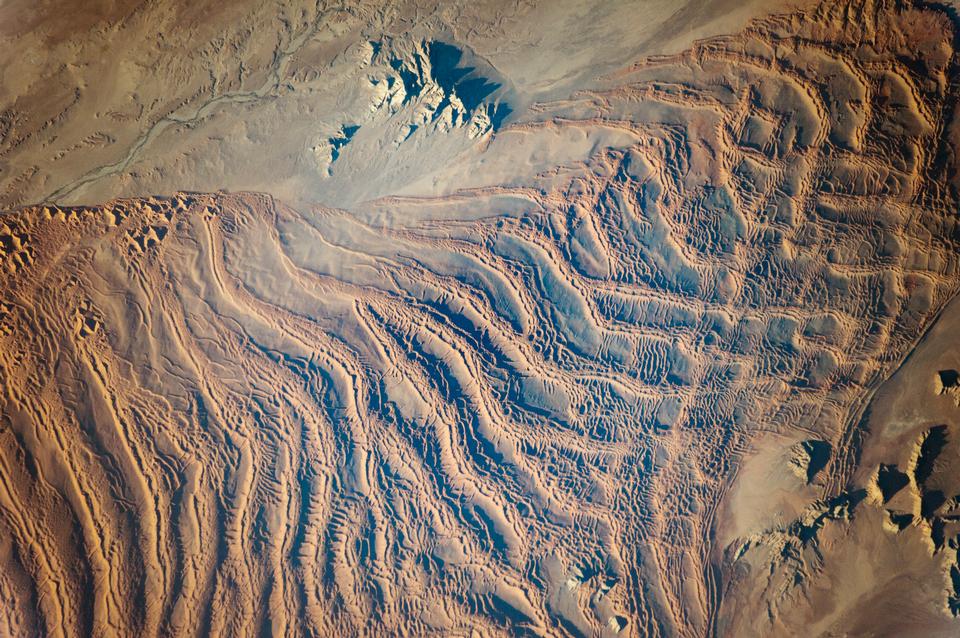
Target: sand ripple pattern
516 412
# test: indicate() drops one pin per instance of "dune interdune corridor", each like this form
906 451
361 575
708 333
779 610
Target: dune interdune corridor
671 353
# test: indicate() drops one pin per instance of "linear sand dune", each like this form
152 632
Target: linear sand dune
223 415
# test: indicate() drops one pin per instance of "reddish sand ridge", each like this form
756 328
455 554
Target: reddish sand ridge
223 415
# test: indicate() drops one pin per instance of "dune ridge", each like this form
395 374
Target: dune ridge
518 409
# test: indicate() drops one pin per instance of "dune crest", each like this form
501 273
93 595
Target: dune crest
524 408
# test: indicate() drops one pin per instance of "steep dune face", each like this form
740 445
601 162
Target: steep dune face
519 409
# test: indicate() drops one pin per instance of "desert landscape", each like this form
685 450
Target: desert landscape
480 319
